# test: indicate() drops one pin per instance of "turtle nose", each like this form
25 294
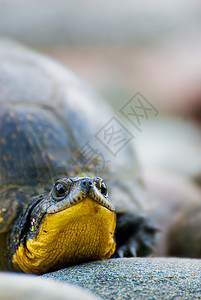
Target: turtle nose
86 183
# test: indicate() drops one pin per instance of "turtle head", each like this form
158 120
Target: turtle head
73 223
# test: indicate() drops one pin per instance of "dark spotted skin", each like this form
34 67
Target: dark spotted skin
46 116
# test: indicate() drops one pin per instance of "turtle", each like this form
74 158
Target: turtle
57 169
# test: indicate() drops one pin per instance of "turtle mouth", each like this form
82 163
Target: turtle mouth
95 195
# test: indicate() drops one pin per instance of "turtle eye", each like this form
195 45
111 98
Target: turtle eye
61 189
103 188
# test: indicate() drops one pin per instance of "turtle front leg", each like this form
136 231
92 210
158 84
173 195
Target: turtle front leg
136 235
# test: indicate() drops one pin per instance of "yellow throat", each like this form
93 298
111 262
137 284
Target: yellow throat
80 233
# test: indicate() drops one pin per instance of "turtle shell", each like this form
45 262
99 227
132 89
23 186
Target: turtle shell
50 127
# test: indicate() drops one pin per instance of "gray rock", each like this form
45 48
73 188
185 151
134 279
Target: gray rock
29 287
137 278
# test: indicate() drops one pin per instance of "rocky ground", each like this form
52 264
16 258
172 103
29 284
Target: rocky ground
136 278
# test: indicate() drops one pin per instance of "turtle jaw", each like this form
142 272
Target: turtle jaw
83 232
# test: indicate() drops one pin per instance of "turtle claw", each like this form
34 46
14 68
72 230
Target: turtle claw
126 251
133 252
120 253
135 235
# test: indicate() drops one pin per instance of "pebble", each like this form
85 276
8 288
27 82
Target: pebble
16 286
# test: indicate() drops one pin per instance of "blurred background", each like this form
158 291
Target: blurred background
119 48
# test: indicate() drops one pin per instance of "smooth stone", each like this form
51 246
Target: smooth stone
16 286
137 278
175 195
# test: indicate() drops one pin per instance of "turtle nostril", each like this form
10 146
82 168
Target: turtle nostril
86 183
